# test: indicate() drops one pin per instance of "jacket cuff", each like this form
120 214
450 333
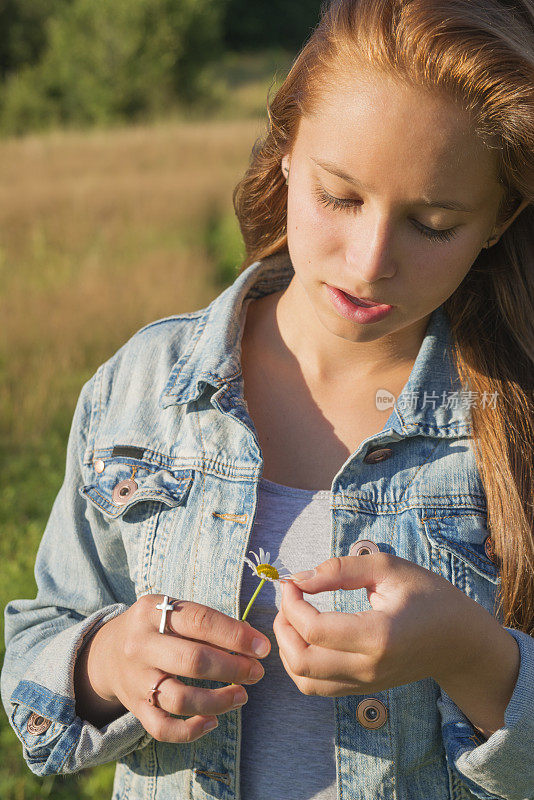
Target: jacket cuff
54 739
501 766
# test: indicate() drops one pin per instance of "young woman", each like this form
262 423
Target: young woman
364 388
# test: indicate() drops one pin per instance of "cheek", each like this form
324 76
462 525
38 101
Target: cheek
440 275
311 226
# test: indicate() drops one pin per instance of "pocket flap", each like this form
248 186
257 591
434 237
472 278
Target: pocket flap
124 482
465 536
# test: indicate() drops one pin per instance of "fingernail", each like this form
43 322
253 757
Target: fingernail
256 672
240 698
302 576
210 725
260 647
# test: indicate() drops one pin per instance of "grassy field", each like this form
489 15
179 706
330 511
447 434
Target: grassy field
100 233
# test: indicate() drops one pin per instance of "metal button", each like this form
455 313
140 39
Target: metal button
123 491
363 547
378 454
99 465
371 713
489 549
37 724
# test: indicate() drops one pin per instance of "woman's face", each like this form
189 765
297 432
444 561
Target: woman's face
409 155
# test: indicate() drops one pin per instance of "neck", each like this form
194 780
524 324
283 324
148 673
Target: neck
326 357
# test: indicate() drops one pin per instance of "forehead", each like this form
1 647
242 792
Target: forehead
385 128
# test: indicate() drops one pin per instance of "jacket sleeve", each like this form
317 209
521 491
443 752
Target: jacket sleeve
44 636
503 765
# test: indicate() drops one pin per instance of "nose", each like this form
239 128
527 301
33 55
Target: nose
369 251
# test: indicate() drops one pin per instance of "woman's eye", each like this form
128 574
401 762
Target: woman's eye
340 203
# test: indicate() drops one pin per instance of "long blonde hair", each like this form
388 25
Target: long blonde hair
480 53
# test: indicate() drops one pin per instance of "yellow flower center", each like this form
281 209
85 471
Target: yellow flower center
267 569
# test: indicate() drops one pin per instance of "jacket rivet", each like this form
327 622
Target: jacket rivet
37 724
363 547
378 454
489 549
371 713
123 491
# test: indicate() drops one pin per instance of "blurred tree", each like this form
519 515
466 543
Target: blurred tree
116 60
255 23
23 31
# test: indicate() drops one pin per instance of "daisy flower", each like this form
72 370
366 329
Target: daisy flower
266 571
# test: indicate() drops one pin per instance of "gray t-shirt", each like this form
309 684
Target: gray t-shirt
287 749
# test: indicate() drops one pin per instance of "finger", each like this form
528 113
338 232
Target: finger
193 659
176 697
165 728
317 663
202 623
335 630
323 688
346 572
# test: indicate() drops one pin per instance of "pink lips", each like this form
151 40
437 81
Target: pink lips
367 303
356 310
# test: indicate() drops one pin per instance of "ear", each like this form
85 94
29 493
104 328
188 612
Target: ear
285 164
502 228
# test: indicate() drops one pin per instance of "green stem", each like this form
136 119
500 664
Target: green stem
247 609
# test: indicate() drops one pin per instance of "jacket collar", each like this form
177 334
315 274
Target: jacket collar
431 401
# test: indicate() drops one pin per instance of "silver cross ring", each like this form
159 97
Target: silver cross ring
165 606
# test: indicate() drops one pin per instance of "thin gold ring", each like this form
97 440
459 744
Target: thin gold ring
151 697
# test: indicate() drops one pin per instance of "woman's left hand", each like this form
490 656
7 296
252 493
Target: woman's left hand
420 626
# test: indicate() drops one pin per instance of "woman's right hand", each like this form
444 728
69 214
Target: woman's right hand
127 655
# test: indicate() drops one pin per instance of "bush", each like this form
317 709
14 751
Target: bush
224 245
116 60
25 105
23 31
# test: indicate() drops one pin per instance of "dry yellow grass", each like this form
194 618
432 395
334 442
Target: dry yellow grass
100 233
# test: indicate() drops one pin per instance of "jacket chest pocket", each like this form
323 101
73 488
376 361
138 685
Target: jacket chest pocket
138 502
461 550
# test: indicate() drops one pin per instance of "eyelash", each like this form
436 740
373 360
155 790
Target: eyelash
428 233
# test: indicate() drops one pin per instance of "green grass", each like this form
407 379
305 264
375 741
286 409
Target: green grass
31 478
102 233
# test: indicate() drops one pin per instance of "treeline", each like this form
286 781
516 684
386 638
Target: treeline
98 61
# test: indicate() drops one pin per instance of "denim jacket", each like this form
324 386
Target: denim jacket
168 408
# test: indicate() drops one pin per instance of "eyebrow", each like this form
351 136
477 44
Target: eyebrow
329 166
